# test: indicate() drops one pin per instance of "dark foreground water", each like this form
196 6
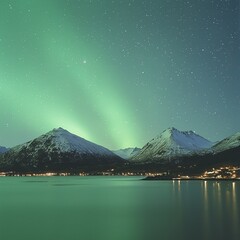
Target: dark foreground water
117 208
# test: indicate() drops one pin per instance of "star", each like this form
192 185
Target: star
164 61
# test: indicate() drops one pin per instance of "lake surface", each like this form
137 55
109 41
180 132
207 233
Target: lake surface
117 208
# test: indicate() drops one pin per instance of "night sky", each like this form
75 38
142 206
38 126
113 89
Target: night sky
119 72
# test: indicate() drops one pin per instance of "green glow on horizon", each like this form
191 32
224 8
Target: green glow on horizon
68 87
118 72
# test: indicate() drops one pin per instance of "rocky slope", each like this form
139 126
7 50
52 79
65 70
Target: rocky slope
58 150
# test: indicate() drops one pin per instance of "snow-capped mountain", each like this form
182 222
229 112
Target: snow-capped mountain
58 149
127 153
63 141
3 149
171 144
227 143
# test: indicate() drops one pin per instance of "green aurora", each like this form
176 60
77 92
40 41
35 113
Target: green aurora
118 72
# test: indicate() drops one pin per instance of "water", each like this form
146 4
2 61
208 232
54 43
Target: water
114 208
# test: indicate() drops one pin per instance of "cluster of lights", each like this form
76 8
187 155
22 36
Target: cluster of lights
223 173
49 174
228 172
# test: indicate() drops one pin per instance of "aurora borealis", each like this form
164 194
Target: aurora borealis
118 72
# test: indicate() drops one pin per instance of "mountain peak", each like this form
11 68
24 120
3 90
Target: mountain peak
173 143
175 130
59 129
169 132
171 129
60 149
66 141
63 134
185 139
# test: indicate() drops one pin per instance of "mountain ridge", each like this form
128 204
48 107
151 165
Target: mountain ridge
229 142
60 150
57 149
127 153
172 143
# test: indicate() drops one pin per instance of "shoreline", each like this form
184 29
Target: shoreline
157 178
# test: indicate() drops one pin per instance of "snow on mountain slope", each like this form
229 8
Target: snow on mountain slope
3 149
127 153
227 143
58 150
63 141
172 143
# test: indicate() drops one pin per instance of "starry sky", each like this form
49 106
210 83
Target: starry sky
119 72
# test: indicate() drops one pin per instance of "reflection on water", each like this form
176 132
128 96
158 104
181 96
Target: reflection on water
220 211
206 226
116 208
235 210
